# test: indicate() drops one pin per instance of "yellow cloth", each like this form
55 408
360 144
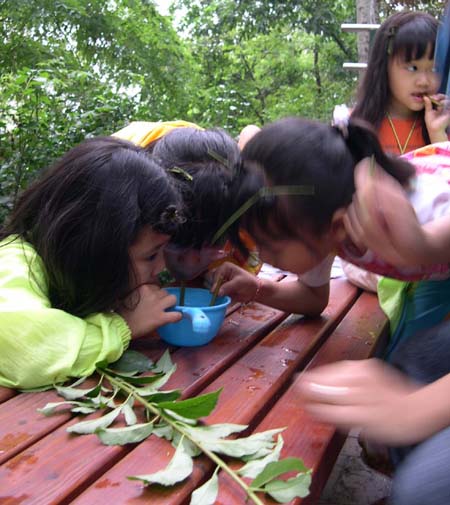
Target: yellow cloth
142 133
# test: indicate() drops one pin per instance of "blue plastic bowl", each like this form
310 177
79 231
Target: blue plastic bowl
200 323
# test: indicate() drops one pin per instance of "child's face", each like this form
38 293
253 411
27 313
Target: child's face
146 256
296 255
408 83
186 263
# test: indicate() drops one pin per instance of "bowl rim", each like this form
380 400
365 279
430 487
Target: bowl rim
208 308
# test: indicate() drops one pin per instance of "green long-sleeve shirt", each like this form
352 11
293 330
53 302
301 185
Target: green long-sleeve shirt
40 345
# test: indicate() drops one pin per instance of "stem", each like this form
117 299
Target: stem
219 462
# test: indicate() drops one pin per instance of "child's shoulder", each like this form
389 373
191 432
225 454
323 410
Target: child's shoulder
19 259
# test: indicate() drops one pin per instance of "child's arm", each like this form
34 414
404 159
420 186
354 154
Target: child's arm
290 296
382 219
377 398
437 120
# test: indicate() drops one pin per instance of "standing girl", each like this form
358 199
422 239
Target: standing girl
398 93
79 259
398 97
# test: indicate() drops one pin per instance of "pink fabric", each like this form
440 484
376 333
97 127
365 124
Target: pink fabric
431 159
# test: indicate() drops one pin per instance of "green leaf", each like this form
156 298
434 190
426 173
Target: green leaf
50 408
72 393
285 491
126 435
243 446
178 469
102 402
163 396
164 364
277 468
163 431
181 419
189 447
132 361
142 379
128 412
193 408
84 410
255 467
150 389
87 427
214 431
207 493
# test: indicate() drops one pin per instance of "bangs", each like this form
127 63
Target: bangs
414 41
271 218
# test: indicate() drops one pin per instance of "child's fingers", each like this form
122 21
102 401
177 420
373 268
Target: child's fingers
428 104
353 228
343 417
167 300
220 274
170 317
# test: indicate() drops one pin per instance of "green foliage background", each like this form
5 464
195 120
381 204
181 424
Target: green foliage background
71 69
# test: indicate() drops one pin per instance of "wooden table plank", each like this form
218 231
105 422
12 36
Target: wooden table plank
358 336
251 386
6 394
21 425
195 369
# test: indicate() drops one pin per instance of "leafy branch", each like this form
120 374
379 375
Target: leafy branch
178 422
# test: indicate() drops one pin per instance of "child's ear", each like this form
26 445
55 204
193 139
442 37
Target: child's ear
337 228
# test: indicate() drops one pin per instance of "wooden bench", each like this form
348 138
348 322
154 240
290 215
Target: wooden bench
257 359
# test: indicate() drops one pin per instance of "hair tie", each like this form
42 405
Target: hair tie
390 40
182 172
341 115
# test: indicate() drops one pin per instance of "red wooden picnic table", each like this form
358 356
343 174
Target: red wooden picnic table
256 358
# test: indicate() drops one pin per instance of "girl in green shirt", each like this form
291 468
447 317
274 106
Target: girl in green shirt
79 259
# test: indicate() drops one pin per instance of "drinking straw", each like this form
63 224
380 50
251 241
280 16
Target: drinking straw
182 292
216 291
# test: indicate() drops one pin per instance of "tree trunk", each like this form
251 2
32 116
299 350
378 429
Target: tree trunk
367 13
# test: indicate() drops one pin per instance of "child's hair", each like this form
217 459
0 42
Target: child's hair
320 158
406 36
205 164
83 214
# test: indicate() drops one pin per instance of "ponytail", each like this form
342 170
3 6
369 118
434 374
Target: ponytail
363 142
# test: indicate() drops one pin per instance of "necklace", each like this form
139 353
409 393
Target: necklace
401 148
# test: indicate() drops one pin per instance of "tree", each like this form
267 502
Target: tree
77 68
265 59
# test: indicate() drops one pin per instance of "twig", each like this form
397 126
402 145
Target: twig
219 462
433 101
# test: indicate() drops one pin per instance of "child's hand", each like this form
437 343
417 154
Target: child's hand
366 394
149 313
237 283
382 219
437 119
